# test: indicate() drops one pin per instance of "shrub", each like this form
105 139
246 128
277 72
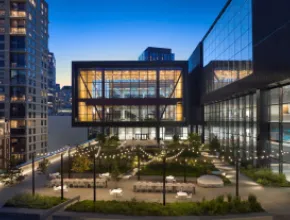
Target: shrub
33 202
176 169
230 198
252 198
266 177
212 207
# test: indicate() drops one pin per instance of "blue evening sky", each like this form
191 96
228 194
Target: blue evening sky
122 29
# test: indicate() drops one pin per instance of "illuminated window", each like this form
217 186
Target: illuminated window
17 123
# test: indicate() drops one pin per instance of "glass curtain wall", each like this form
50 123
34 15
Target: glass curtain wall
130 113
228 47
233 122
130 84
279 137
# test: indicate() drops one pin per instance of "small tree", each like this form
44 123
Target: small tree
116 173
12 174
176 139
194 140
81 163
101 138
112 143
214 145
43 166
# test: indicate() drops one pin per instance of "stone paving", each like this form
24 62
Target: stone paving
273 200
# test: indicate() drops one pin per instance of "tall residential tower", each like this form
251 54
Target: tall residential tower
23 76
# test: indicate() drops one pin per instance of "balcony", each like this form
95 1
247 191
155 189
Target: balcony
18 31
18 98
18 14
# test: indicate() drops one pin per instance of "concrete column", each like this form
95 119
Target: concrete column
262 127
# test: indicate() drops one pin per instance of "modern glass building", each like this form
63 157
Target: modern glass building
131 99
243 66
235 86
157 54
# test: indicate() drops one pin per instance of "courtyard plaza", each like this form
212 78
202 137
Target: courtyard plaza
275 200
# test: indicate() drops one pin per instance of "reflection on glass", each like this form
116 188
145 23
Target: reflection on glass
233 120
130 84
130 113
227 48
89 113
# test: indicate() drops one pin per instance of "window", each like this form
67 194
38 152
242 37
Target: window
18 77
17 60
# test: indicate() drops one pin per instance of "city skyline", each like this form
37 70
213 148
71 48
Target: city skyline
172 25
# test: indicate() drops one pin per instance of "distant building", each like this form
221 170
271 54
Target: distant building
51 85
157 54
64 101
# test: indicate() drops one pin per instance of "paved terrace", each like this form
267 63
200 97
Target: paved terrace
273 200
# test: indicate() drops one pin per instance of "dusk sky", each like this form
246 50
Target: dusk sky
122 29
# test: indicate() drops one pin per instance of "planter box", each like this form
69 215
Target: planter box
84 215
33 214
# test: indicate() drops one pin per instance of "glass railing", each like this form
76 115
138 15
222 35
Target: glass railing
18 31
18 14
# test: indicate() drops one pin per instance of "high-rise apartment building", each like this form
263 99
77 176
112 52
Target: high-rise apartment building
23 75
157 54
51 84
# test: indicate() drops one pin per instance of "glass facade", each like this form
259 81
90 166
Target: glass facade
227 51
234 123
130 113
145 84
165 133
138 101
279 135
130 84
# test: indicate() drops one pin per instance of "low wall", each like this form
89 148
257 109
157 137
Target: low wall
78 216
27 167
33 214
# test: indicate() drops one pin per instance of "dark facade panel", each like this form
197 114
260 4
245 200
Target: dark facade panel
271 34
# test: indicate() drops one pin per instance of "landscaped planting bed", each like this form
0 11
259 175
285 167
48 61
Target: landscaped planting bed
266 177
218 206
34 202
177 169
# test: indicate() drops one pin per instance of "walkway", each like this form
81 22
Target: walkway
274 200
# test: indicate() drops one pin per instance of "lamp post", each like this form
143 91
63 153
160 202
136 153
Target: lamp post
184 170
33 174
61 175
138 164
69 163
237 175
94 175
164 180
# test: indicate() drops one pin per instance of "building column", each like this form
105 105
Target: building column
262 128
280 130
158 106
